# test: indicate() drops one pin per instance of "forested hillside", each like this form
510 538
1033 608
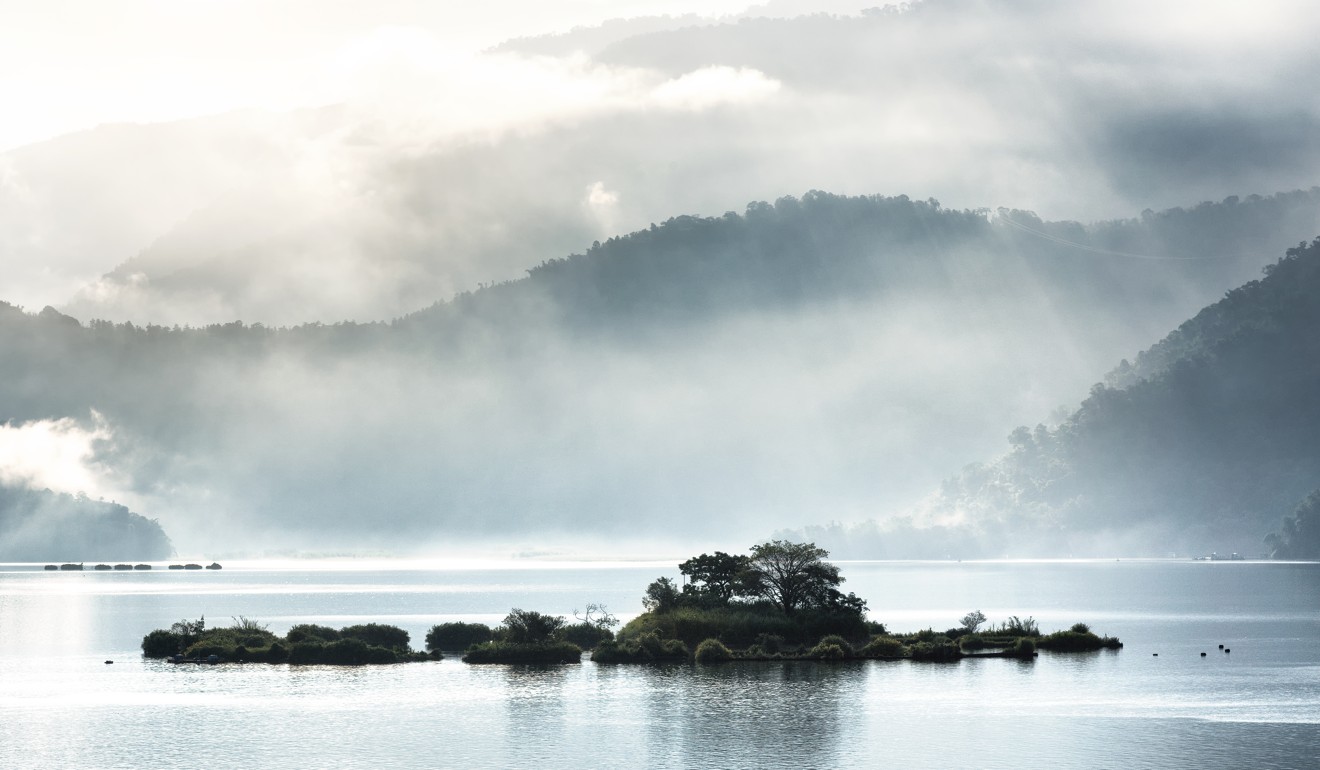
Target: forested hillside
1205 444
46 526
818 357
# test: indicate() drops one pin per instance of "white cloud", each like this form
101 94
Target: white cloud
712 86
55 454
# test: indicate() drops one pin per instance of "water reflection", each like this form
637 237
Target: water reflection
749 714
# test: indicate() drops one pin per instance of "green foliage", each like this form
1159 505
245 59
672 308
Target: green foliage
837 641
1075 641
528 627
161 644
524 652
713 579
739 625
972 642
935 652
306 653
712 651
189 631
457 636
584 635
247 641
646 648
378 635
825 651
242 623
310 632
793 576
1025 647
1080 628
883 647
661 596
1016 626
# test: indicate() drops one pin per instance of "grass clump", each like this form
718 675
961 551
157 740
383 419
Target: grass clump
647 648
883 647
1074 641
712 651
935 652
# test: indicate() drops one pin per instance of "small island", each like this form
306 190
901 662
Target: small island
779 602
247 641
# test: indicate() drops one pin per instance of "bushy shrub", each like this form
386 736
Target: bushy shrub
378 635
310 632
943 652
837 641
713 651
528 627
816 623
524 652
1080 628
1025 647
277 653
828 651
457 636
206 648
305 653
882 647
647 648
972 642
1073 641
1016 626
770 643
161 644
355 652
585 635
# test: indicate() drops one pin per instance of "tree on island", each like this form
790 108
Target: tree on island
529 627
714 578
796 576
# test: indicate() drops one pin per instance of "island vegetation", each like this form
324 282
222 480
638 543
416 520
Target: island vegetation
247 641
781 601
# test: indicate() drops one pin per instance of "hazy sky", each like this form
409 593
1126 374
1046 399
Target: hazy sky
67 65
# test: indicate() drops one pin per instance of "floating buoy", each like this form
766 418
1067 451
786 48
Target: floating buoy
1227 650
1203 654
109 662
1221 646
1154 654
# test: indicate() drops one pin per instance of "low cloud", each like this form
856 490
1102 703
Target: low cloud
60 455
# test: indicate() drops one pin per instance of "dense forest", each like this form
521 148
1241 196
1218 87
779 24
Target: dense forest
655 373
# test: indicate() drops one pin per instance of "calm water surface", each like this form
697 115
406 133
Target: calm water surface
1257 707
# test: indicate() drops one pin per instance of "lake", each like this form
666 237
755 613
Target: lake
1154 704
